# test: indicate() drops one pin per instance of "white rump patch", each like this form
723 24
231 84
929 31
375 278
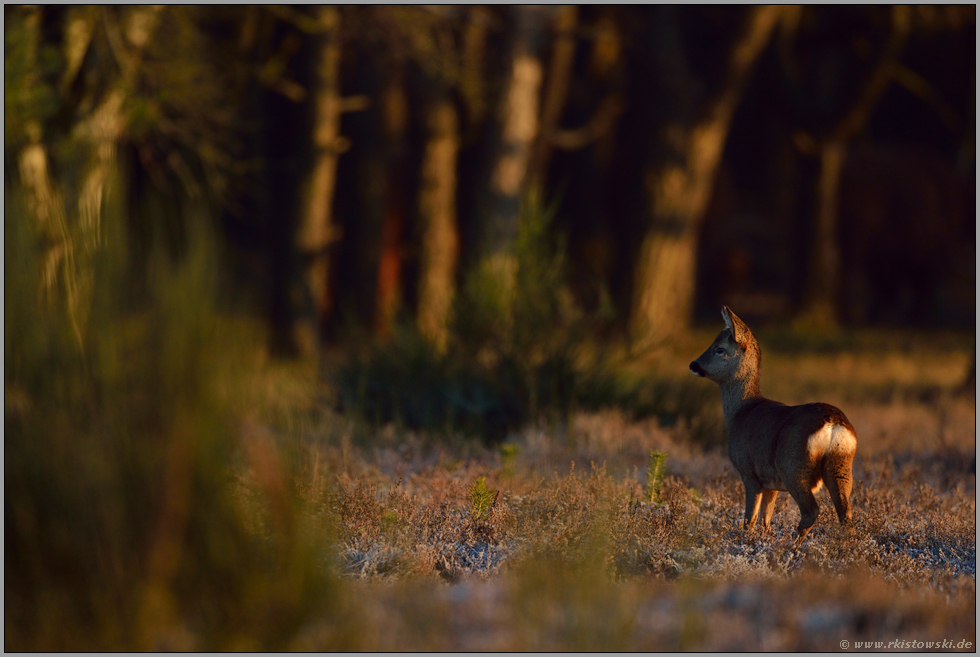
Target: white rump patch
831 438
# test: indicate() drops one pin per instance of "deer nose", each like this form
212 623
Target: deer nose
697 369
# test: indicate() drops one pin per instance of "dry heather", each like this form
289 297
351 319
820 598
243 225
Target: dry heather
557 540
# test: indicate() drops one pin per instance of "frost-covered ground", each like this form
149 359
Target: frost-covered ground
554 540
572 553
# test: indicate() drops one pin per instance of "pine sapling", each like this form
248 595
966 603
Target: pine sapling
655 475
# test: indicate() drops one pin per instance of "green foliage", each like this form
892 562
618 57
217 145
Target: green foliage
406 380
389 520
655 475
508 455
122 527
572 606
511 356
518 352
482 498
521 309
567 595
30 70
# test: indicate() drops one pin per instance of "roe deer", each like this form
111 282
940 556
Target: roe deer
773 446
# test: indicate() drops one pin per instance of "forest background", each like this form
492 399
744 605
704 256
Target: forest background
261 259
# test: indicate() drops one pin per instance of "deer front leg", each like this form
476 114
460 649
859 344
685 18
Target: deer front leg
753 497
768 504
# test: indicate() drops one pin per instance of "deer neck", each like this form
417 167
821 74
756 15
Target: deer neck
736 392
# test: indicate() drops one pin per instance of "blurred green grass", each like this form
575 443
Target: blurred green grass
122 525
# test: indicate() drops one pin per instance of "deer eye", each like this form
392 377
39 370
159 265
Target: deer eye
719 350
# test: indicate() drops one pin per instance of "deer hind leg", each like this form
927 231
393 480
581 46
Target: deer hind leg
801 488
837 477
768 504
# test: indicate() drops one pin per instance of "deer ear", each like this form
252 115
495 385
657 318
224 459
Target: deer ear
726 315
738 328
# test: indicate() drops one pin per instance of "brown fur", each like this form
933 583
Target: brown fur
773 446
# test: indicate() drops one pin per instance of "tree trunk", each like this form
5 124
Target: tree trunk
395 119
316 232
519 118
681 189
472 84
556 91
825 266
75 238
821 302
44 199
437 212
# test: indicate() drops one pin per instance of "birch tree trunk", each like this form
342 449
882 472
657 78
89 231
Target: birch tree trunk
437 213
680 191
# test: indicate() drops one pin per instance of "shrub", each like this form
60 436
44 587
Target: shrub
511 355
122 526
511 360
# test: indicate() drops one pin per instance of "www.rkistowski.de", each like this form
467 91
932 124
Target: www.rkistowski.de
911 644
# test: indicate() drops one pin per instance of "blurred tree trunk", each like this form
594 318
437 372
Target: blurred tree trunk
556 91
821 300
44 199
681 187
395 125
437 213
316 232
823 285
472 84
73 244
519 118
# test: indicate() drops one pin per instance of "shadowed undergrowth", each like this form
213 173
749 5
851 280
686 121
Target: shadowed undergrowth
406 381
511 359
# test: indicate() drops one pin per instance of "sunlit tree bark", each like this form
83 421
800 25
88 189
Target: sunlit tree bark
43 198
316 232
680 190
519 111
74 238
437 214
